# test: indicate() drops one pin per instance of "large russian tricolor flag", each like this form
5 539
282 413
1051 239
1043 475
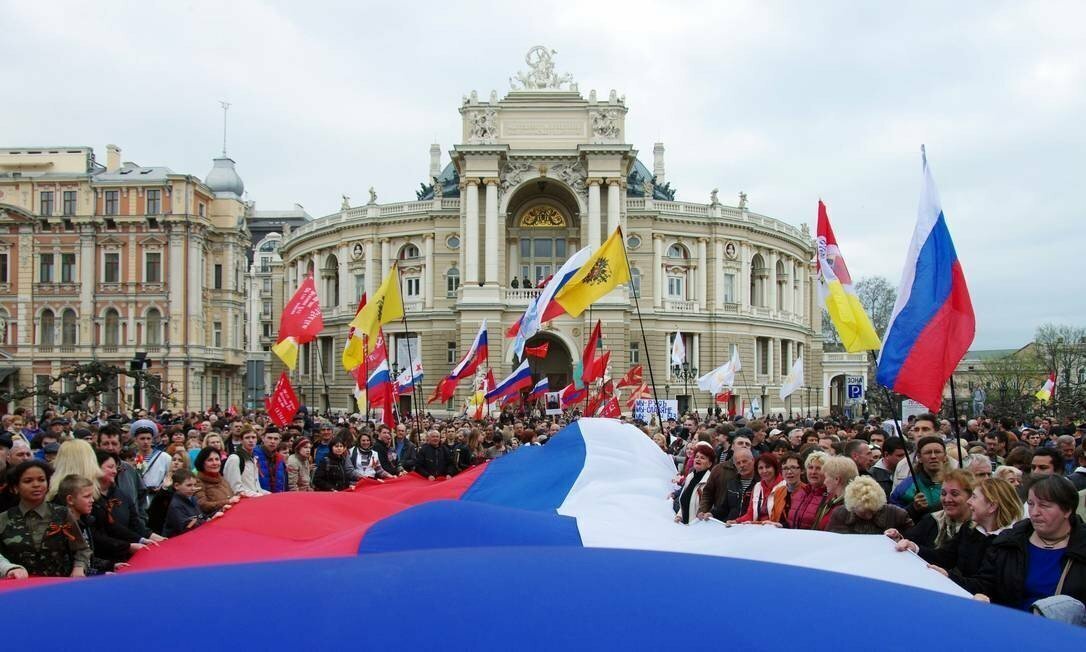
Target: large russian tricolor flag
932 324
580 525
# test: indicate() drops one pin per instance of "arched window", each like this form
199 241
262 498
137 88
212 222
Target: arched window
758 275
452 282
409 251
48 328
69 329
782 280
152 328
111 331
330 274
677 251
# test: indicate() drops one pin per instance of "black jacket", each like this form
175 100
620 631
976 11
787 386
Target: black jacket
408 455
961 557
434 461
382 458
332 474
735 500
1002 575
884 478
182 511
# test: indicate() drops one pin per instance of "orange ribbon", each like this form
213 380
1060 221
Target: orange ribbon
65 529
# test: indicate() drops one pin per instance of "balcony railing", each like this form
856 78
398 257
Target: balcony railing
682 306
57 289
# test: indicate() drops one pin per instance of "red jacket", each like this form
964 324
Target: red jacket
804 507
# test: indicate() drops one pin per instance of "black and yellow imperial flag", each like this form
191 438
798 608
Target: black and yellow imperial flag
603 272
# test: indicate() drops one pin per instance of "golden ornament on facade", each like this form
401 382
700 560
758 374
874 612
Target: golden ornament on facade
542 217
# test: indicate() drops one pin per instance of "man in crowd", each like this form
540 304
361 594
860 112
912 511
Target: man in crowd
406 453
860 452
433 460
152 465
271 465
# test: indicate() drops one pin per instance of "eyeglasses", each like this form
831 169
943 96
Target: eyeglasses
789 468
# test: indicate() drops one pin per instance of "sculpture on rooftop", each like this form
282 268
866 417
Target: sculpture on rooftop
541 75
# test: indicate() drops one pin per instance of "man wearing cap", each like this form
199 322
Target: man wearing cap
152 465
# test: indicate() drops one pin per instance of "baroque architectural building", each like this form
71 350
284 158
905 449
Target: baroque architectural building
121 261
537 175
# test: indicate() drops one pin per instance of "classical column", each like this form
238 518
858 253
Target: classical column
771 294
702 274
512 254
368 268
718 272
346 279
594 214
745 278
428 275
695 352
471 232
491 214
657 270
614 202
386 258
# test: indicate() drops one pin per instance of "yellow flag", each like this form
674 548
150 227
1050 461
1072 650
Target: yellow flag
599 275
385 306
287 350
353 353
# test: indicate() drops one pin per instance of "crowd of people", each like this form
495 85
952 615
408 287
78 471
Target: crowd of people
997 509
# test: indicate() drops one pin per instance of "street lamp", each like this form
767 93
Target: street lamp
685 373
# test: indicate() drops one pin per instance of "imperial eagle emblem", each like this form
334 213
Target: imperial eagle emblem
600 272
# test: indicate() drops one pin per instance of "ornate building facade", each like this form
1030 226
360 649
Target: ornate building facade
539 174
117 261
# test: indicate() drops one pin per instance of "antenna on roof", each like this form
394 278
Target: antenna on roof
225 107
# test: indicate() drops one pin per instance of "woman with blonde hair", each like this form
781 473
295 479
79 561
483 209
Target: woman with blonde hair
803 505
1010 474
865 510
75 456
839 471
996 507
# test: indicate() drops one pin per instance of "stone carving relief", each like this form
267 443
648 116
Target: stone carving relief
605 126
542 217
571 174
540 75
512 174
484 127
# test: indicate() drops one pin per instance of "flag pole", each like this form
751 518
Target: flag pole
897 425
324 374
644 340
957 427
410 356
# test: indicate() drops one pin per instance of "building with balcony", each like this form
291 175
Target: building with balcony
105 262
536 176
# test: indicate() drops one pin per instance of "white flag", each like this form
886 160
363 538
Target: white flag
794 380
723 376
678 349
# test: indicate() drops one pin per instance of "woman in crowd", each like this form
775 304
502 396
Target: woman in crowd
936 528
299 466
995 507
47 544
364 459
213 492
118 506
1041 556
477 446
1020 458
689 501
75 456
839 471
334 472
865 510
921 495
804 503
769 495
1010 474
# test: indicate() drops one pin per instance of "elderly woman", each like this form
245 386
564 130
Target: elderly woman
936 528
839 471
213 492
769 495
865 510
995 506
689 501
920 494
805 501
1039 557
1010 474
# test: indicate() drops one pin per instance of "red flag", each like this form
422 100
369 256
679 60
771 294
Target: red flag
610 409
594 403
283 404
723 397
639 392
537 351
632 377
444 390
596 368
608 389
571 395
302 318
589 354
377 352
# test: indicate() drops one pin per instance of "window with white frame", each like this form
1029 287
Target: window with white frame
266 285
46 273
729 288
635 282
413 287
216 334
154 202
153 328
676 286
450 353
67 268
635 352
452 282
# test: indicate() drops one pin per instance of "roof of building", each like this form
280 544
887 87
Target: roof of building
132 172
988 354
223 179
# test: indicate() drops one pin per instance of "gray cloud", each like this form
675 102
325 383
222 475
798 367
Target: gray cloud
789 102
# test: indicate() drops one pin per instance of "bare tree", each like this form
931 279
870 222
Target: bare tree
1061 349
877 295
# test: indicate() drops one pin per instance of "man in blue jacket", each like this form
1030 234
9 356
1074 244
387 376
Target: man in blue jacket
271 465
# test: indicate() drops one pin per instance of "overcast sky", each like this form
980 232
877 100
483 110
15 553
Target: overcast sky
789 102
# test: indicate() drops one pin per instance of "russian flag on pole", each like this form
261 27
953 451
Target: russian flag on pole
541 388
932 324
516 381
475 356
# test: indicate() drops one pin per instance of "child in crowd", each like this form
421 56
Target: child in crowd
47 544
